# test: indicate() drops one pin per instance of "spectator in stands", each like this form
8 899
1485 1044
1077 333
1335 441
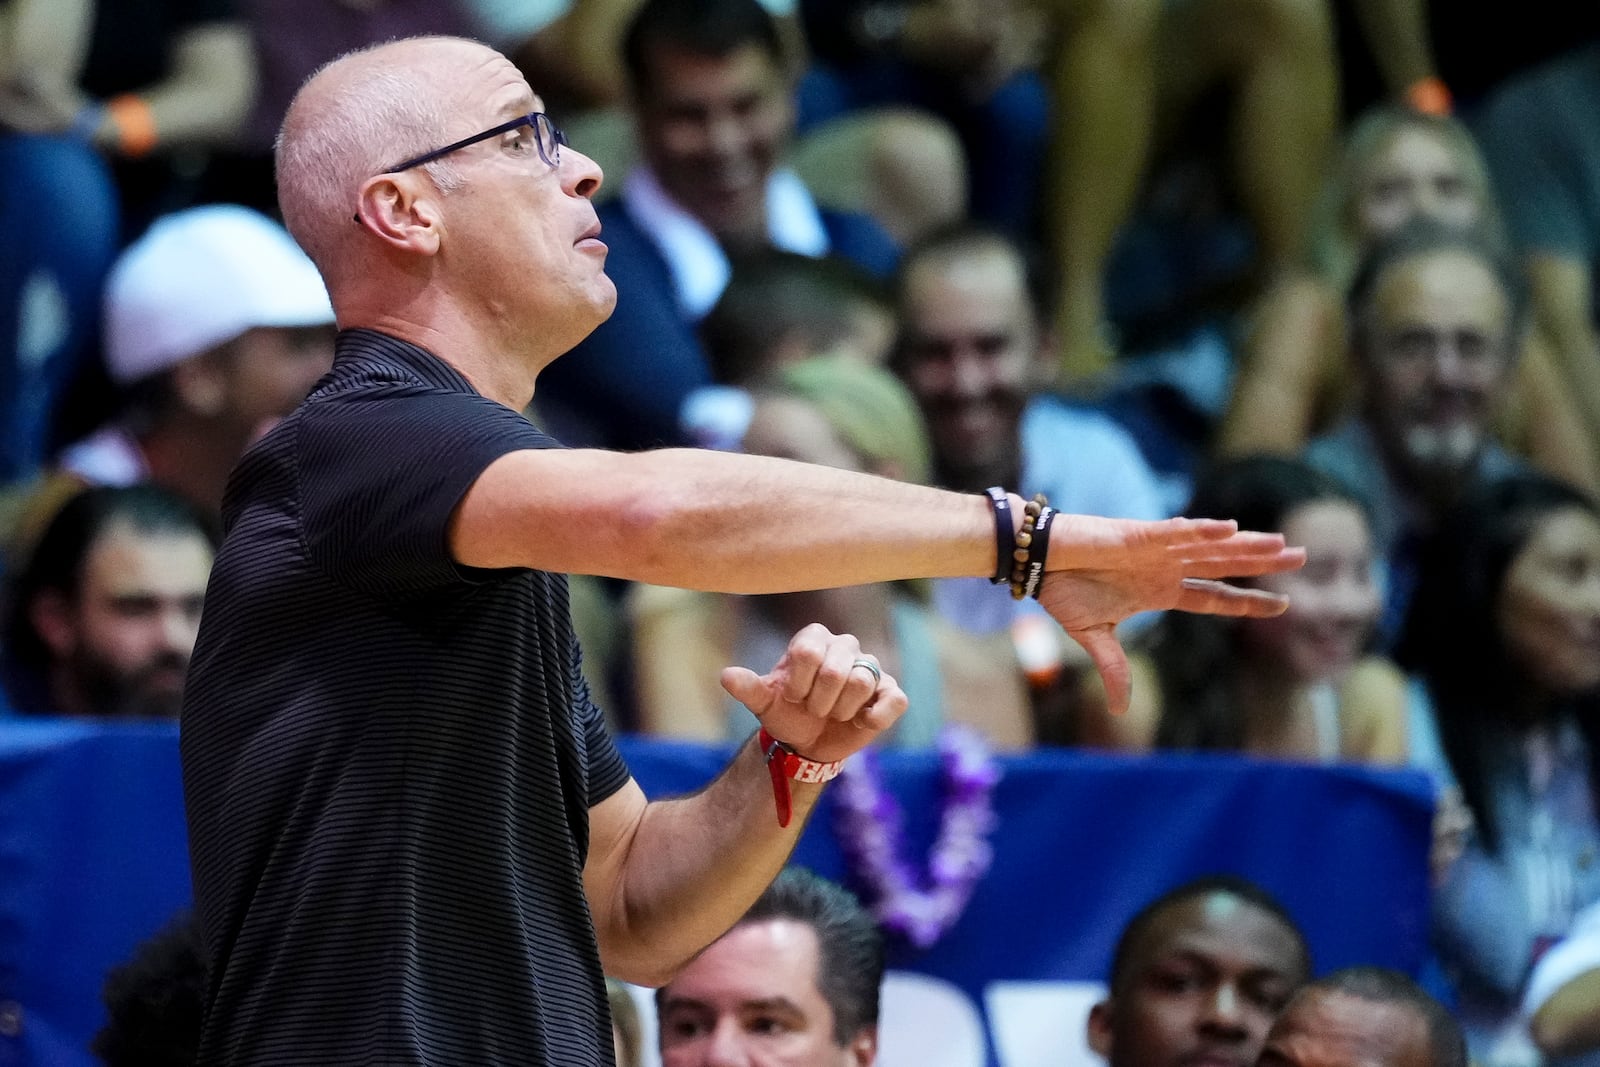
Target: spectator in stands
779 308
1506 635
1293 687
1126 75
155 1001
1295 379
216 326
102 619
98 100
975 349
1198 977
834 410
901 166
1436 318
796 981
713 104
1370 1016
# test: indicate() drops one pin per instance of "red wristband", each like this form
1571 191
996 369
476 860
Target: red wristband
784 763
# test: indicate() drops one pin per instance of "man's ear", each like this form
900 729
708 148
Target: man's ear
1099 1029
401 212
51 618
863 1048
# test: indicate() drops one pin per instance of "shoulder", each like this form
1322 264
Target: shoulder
1374 699
861 240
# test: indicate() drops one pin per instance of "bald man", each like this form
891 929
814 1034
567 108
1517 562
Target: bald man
412 840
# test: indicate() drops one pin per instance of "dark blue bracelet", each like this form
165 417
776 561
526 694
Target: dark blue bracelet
1005 536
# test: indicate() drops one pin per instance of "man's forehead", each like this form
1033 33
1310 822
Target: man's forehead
1219 923
1451 278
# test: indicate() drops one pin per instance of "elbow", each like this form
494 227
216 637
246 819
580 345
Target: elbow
640 964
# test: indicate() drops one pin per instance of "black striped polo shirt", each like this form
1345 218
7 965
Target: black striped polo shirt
389 758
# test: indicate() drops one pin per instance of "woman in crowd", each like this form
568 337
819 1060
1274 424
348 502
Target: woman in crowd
1506 634
1295 380
1294 687
840 411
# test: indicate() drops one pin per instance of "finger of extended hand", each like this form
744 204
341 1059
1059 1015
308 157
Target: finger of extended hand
806 653
1181 530
1105 651
1246 544
1285 559
1208 597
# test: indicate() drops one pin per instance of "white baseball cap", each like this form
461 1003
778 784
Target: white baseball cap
199 278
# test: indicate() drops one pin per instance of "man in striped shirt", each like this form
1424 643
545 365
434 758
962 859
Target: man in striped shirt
412 839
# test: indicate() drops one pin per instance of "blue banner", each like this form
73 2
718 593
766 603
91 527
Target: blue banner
92 860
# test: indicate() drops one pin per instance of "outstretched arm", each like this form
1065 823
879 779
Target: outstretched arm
752 524
665 879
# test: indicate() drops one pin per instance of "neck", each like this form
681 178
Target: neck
479 353
459 322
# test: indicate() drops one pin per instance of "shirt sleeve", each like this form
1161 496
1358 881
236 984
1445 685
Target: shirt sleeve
607 772
380 477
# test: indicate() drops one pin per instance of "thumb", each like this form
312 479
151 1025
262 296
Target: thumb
1110 660
748 688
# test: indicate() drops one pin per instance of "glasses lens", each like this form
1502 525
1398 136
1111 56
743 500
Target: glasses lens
550 139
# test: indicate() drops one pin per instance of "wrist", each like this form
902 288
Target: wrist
788 769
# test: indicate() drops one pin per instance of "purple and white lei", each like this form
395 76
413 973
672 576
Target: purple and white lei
919 905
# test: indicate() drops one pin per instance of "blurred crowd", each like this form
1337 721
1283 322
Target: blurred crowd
1325 268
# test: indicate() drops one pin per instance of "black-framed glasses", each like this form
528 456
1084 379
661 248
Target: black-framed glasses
546 137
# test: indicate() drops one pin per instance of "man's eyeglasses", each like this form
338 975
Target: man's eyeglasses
547 138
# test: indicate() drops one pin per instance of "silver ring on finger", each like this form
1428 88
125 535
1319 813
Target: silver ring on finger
863 662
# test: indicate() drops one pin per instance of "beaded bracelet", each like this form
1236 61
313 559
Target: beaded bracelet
1005 538
1032 575
1027 540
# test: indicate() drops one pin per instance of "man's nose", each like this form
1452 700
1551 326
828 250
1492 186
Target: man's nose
967 376
724 135
580 175
1223 1010
726 1046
